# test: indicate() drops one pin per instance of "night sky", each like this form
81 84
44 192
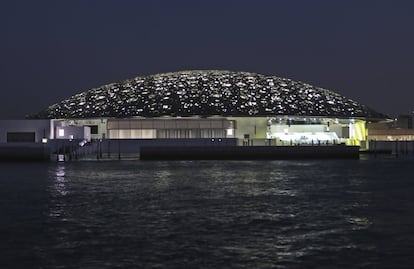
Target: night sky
51 50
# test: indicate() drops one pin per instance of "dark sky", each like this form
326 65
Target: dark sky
51 50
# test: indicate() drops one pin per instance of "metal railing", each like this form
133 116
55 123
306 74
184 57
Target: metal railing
277 142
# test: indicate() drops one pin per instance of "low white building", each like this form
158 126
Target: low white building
25 131
38 131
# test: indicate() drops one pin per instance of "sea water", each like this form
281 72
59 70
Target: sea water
208 214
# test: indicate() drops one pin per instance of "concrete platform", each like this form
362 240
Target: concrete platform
249 152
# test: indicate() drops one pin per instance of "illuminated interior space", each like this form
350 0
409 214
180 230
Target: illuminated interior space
304 130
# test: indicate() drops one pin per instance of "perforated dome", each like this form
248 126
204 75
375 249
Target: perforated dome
207 93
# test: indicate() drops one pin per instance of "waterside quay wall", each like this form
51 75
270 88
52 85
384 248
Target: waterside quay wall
168 149
24 152
249 153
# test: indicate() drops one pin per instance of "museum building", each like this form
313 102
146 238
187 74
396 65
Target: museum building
213 104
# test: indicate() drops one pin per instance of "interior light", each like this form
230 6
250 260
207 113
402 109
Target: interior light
61 132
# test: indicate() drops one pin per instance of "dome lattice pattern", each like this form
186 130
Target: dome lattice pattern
207 93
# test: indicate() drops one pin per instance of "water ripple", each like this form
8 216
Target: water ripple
208 214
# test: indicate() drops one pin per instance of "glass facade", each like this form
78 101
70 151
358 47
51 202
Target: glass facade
169 128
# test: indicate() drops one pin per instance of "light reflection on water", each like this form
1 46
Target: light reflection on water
213 214
257 213
60 180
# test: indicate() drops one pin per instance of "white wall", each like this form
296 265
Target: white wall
101 123
255 127
41 128
73 132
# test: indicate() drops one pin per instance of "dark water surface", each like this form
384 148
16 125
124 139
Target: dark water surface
208 214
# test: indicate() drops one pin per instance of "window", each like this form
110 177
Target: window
94 129
61 132
21 137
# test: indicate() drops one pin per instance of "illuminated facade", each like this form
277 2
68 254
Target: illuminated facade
213 104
